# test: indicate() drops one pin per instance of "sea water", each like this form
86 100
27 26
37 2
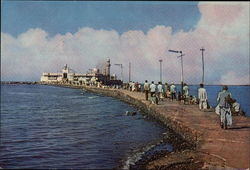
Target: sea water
56 128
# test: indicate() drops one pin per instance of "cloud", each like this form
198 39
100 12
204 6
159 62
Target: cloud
232 78
223 30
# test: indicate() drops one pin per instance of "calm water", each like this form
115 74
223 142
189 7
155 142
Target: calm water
53 127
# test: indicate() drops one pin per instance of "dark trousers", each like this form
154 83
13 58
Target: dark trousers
146 94
152 93
173 96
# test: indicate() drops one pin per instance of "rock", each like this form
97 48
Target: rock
130 113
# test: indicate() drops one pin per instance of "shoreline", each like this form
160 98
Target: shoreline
37 82
183 150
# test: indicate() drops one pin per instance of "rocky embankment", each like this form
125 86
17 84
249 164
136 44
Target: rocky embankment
209 146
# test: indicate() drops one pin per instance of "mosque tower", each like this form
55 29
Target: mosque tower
107 69
65 71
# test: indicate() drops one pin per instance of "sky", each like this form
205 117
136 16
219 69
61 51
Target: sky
42 36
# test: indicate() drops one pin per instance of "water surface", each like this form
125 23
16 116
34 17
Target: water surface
53 127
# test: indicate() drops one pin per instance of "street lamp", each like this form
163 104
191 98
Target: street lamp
121 71
129 72
160 70
182 77
202 50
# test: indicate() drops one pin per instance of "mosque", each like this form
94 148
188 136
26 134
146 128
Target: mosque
69 76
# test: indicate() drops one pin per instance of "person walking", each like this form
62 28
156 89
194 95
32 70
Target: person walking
165 90
152 92
160 91
130 86
186 93
133 86
224 107
146 89
202 96
173 91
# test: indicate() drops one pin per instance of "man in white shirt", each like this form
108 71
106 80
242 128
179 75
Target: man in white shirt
173 91
202 96
133 86
160 91
186 93
152 92
146 89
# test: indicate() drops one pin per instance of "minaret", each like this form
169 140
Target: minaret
107 69
65 71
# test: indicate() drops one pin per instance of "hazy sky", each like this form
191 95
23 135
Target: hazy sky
42 36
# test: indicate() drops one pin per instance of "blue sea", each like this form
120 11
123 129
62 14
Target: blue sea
57 128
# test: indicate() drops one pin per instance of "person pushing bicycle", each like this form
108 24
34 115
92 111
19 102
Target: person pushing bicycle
224 108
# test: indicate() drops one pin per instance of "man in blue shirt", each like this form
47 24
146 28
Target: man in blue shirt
225 112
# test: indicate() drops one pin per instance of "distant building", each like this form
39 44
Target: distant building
92 77
65 75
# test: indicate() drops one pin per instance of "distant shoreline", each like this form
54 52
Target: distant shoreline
38 82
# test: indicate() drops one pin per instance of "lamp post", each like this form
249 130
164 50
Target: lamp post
202 50
121 71
182 77
160 70
129 73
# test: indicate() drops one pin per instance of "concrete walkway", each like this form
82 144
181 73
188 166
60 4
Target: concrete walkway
229 148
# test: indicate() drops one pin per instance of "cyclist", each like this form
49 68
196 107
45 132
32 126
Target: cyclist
224 107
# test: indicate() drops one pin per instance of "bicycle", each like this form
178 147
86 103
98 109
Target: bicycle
224 111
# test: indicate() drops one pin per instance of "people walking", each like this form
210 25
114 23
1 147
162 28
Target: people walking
146 89
173 91
202 96
224 107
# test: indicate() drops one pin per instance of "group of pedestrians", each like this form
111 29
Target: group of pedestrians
156 92
133 86
226 105
223 108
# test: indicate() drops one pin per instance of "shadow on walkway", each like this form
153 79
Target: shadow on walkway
241 127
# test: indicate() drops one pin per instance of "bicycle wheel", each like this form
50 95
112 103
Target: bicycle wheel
225 121
221 123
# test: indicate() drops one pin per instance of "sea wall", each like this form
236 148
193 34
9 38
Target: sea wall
189 134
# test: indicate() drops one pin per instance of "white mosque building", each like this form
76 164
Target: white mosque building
69 76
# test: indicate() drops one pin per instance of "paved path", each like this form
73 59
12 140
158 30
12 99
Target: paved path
231 147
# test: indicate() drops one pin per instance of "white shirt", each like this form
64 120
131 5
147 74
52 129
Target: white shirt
202 94
152 88
185 89
133 86
236 106
160 88
146 86
172 88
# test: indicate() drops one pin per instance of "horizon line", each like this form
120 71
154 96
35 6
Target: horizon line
164 83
